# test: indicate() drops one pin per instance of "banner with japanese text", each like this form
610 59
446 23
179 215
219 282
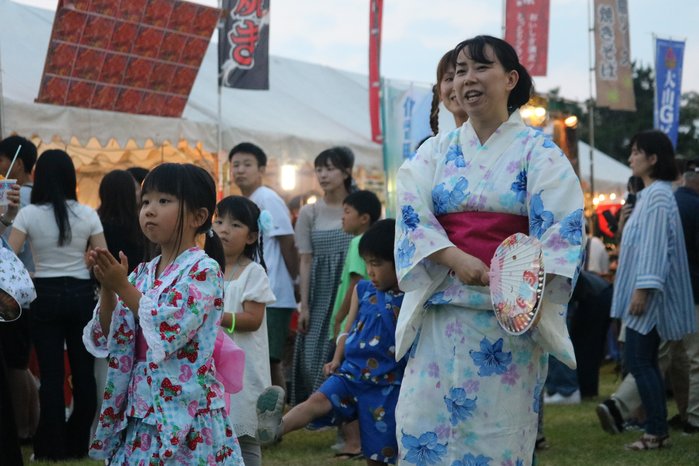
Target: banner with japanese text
243 45
669 57
406 119
614 79
375 15
527 30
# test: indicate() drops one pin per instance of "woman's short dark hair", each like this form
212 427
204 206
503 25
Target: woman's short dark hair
656 142
377 241
507 56
340 157
195 188
55 184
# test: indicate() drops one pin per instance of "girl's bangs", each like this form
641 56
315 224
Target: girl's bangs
236 208
163 179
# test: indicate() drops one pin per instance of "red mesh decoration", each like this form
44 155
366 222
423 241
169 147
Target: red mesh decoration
135 56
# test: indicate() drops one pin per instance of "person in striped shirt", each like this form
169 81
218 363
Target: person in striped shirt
652 290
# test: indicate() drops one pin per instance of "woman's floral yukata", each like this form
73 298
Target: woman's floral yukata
162 404
470 393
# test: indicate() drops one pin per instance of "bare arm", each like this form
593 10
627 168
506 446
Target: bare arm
108 303
98 241
346 301
339 355
247 321
12 207
16 240
305 261
289 253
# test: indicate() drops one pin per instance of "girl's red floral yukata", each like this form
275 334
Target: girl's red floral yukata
162 402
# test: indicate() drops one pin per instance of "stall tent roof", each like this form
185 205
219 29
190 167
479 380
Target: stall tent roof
611 175
308 108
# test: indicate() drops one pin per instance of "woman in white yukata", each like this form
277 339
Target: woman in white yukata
470 395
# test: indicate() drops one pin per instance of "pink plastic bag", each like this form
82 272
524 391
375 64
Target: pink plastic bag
230 365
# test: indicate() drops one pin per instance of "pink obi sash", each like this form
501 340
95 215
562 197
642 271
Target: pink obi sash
480 233
229 359
141 345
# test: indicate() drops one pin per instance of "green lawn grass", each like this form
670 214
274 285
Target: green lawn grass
573 432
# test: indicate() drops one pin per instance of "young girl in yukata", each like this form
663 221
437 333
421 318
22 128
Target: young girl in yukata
364 377
162 403
247 292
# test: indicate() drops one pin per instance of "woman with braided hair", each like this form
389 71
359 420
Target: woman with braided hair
443 91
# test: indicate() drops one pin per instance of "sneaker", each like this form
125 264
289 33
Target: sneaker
690 429
270 409
558 399
610 417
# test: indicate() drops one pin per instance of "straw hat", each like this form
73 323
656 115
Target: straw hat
16 283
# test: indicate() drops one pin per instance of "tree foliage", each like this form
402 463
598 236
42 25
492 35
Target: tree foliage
688 137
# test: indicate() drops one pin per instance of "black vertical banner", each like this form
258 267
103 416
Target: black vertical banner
243 50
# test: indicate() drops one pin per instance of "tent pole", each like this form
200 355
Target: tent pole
219 145
219 132
591 101
503 30
2 99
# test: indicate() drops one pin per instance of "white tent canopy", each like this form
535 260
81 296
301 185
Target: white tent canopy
307 109
611 175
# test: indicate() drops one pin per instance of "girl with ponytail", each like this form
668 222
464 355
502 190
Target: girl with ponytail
240 225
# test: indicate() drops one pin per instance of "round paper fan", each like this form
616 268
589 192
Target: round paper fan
517 283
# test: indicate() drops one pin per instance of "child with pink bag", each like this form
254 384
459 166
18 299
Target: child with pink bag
239 223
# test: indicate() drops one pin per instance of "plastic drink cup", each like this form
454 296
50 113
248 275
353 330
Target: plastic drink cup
5 186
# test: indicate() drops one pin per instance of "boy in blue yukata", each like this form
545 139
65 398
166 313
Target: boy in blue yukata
364 376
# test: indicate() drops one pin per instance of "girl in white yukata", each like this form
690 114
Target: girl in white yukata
247 291
471 391
162 401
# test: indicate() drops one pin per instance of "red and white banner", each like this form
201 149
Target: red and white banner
527 30
375 14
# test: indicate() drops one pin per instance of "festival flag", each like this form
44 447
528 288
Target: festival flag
527 30
243 45
406 119
375 13
669 57
613 56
